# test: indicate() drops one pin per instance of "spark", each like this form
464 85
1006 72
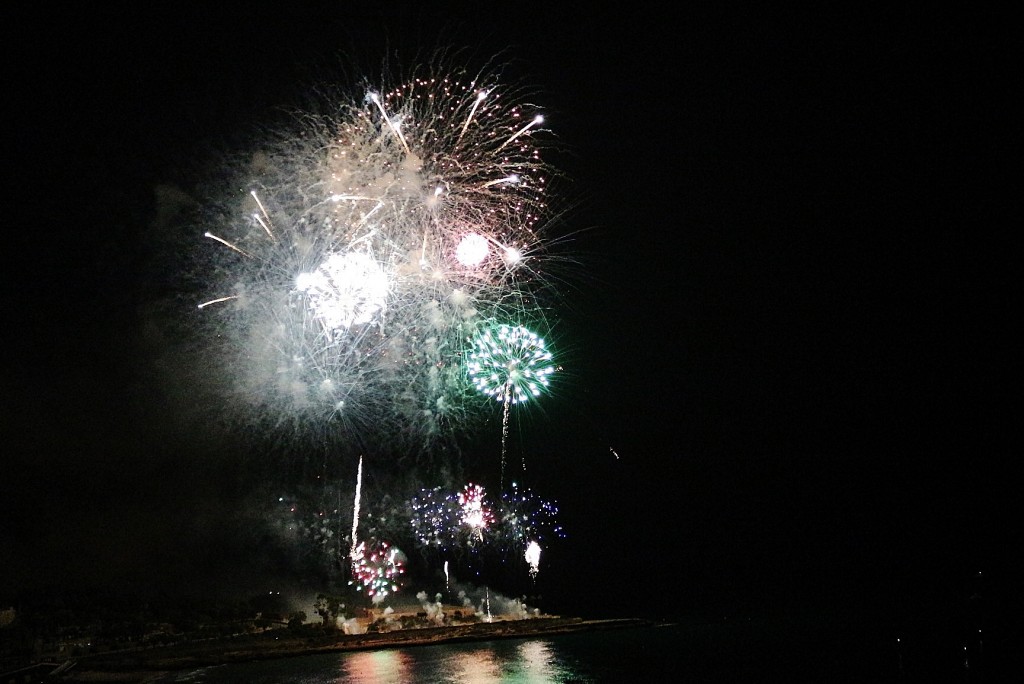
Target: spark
480 96
266 226
513 179
228 244
217 301
375 98
536 121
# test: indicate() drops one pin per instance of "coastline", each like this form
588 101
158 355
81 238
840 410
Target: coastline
152 664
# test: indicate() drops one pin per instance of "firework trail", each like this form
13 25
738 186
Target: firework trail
370 245
355 507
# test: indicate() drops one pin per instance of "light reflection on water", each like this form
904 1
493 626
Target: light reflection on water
525 661
479 665
385 667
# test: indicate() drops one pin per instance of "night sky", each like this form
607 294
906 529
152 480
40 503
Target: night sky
789 312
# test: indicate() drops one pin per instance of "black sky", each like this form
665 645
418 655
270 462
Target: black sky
791 320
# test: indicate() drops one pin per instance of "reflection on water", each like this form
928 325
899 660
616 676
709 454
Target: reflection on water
537 663
535 658
531 661
478 666
614 655
527 661
377 667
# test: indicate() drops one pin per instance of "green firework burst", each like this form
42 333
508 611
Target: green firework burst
510 363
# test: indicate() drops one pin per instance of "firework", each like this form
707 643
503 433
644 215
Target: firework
435 519
532 556
371 239
345 290
377 569
510 364
524 517
464 522
476 516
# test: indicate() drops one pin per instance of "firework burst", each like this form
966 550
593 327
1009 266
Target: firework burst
532 557
435 519
510 364
371 239
445 522
377 569
524 517
475 513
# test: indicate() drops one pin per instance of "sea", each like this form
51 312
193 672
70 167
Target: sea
747 651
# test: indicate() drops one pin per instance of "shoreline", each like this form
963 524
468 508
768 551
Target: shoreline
150 665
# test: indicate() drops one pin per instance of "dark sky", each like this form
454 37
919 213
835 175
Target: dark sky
790 320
